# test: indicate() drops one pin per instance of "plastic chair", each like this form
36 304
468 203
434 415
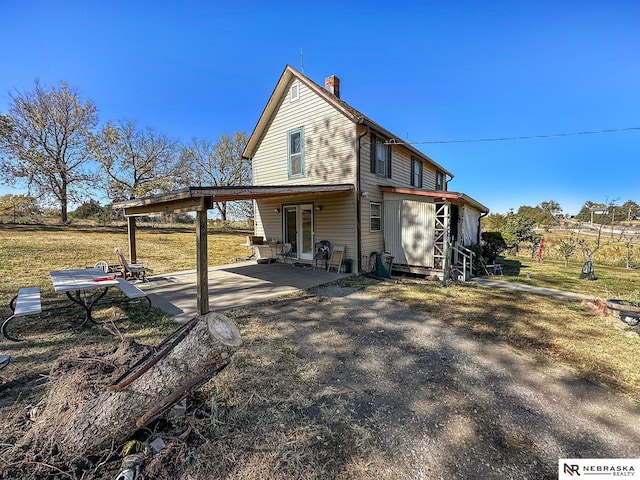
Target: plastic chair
102 265
493 269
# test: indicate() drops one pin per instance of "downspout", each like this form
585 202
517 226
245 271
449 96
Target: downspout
479 239
358 196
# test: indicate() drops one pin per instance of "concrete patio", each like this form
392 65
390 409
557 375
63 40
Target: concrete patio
233 285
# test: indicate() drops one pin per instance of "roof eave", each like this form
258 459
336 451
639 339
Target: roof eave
437 194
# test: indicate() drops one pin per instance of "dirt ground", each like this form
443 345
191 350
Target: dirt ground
340 385
448 406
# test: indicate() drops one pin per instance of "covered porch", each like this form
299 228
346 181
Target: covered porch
200 200
230 286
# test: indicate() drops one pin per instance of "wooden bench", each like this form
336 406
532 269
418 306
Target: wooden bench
27 302
132 291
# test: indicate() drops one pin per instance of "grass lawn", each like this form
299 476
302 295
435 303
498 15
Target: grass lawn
612 282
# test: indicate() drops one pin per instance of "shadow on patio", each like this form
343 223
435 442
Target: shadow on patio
233 285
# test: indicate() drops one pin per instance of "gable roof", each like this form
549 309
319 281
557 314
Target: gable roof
347 110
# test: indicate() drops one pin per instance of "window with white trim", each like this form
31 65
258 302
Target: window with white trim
375 217
380 157
295 152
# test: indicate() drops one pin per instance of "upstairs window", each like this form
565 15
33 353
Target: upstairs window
439 180
375 217
296 152
416 172
380 157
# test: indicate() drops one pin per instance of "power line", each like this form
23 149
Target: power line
502 139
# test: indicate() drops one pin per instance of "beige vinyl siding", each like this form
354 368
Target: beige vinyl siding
400 168
329 139
371 241
335 221
428 178
393 213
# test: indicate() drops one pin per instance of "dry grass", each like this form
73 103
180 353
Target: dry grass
612 282
566 333
29 253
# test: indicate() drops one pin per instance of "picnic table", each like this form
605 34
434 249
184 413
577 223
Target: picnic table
75 284
84 287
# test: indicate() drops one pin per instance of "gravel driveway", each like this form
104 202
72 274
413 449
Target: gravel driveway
441 404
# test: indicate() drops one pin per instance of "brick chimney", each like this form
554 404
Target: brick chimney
332 84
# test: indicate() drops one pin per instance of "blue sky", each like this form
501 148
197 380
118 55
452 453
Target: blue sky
427 71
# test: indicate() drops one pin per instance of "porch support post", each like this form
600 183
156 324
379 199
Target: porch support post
202 261
131 230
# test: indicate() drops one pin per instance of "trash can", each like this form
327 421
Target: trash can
348 263
384 261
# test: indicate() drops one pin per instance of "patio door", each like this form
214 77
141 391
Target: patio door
298 229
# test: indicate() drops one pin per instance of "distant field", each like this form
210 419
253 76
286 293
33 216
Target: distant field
29 252
613 250
612 282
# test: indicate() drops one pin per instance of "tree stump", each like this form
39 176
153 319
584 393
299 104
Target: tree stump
112 416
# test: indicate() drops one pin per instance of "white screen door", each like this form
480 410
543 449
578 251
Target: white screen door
298 229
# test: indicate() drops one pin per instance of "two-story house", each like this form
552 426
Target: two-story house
373 192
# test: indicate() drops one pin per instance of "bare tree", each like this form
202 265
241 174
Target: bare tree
219 164
44 141
137 161
567 246
629 241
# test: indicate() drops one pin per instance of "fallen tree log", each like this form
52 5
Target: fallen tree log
204 348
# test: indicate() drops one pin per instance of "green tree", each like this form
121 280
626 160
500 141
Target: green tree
493 222
493 244
44 143
90 209
18 206
539 216
552 207
598 212
521 227
136 161
219 164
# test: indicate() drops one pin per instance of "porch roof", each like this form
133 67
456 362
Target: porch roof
200 199
438 195
197 199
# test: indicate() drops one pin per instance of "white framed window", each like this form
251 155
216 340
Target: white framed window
294 92
375 217
295 152
416 172
380 157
